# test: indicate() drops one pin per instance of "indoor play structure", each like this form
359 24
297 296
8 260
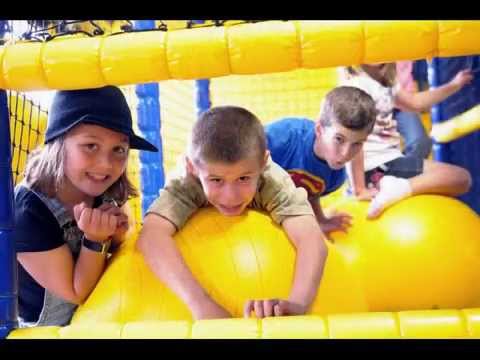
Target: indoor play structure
412 273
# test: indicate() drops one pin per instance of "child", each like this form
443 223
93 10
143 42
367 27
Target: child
228 167
315 153
415 138
406 175
66 208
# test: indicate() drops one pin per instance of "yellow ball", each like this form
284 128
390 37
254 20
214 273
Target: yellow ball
249 257
422 253
233 258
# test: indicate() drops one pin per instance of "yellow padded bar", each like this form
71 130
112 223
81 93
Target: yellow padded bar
458 126
435 325
75 62
442 324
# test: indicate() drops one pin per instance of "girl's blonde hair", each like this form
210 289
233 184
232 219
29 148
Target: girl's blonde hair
45 172
386 76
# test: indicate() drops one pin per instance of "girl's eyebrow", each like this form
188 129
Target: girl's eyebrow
123 140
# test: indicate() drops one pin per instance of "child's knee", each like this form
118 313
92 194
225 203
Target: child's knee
466 178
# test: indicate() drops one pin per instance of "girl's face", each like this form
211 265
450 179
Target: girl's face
95 157
379 71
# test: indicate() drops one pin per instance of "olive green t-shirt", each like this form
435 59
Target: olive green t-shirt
276 194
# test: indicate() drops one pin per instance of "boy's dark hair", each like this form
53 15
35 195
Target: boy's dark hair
349 106
227 134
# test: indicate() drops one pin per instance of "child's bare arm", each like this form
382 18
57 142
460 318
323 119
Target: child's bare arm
157 245
333 221
56 269
424 100
311 254
355 172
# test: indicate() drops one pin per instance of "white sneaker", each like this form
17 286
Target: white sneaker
392 190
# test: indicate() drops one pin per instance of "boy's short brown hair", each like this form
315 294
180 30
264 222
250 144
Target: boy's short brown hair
349 106
227 134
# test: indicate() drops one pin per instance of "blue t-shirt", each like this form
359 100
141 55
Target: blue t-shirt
36 229
290 141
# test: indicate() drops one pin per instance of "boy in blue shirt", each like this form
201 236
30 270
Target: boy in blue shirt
315 153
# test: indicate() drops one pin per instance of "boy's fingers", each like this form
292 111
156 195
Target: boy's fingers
278 309
268 307
258 306
247 309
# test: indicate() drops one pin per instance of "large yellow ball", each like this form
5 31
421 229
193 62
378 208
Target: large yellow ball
250 257
422 253
233 258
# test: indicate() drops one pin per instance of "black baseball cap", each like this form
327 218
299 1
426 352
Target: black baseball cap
105 106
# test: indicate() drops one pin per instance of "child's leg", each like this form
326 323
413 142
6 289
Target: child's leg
436 178
441 178
417 142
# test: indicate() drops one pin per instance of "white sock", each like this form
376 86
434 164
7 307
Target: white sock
392 190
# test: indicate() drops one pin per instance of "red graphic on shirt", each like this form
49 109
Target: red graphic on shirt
313 184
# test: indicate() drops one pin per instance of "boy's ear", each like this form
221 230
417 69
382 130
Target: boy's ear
191 169
265 158
318 128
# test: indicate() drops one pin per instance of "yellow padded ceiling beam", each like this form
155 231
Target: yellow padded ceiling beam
76 61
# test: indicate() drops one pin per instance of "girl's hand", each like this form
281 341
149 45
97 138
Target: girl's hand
462 78
122 218
96 224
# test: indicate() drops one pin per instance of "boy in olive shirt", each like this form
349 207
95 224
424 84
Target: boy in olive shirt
228 166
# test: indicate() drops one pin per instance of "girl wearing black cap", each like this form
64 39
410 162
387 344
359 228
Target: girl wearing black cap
67 209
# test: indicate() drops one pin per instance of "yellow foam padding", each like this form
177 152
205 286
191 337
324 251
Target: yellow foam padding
363 325
433 324
472 317
39 332
226 329
157 330
441 324
120 65
207 49
81 62
458 126
294 327
106 330
22 67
